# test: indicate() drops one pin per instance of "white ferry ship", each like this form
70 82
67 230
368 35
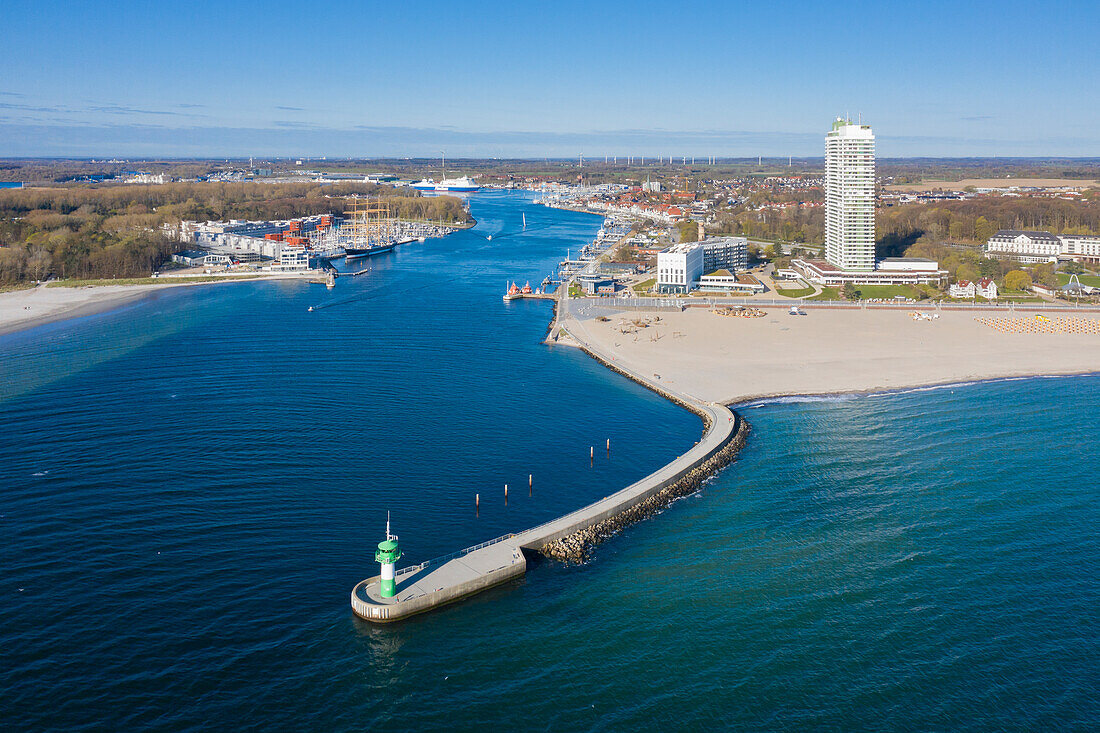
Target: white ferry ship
457 185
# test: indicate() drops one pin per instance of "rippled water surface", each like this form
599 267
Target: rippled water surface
192 485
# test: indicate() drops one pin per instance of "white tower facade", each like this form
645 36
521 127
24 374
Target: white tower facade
850 196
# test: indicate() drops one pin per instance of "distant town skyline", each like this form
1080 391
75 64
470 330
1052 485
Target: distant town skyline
513 80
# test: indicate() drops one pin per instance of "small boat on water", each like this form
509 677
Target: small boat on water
515 291
311 309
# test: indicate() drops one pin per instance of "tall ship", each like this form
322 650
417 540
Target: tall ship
454 185
367 231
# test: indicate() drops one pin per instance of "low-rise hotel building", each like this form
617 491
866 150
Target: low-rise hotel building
1030 246
891 271
1024 246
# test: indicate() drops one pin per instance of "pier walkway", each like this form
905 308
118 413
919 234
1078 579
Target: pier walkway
445 580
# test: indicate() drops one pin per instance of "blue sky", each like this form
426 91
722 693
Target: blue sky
526 79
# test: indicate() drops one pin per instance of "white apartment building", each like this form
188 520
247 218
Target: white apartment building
1081 247
679 266
850 196
725 253
292 258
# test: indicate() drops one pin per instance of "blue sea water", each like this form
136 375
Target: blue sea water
192 484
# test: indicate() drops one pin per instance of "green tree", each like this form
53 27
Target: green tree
1044 274
1017 280
967 271
984 229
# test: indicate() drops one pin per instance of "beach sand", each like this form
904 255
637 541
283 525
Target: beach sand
727 360
23 309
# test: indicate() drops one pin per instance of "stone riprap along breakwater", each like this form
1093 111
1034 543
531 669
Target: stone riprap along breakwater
571 537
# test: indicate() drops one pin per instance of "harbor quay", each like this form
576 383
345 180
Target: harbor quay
435 583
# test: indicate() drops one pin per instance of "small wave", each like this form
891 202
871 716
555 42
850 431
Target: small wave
41 473
848 396
799 399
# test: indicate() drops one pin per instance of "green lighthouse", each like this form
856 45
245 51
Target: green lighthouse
388 554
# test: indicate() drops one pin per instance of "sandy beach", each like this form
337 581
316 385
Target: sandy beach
728 360
23 309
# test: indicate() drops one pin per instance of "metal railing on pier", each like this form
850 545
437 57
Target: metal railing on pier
436 561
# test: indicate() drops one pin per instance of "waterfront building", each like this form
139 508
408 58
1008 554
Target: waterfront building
725 253
596 284
679 266
1035 246
891 271
732 282
850 196
1081 248
200 258
293 258
962 289
986 288
1024 246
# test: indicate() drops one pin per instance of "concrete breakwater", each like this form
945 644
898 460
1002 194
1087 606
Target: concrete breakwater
577 547
570 537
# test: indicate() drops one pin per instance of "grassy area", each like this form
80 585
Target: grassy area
575 292
16 286
794 292
645 286
1019 296
827 294
147 281
1090 280
888 292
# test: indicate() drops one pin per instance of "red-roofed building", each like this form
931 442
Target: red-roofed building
962 289
986 288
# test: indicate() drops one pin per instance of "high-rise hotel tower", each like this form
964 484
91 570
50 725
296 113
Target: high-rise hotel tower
850 196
